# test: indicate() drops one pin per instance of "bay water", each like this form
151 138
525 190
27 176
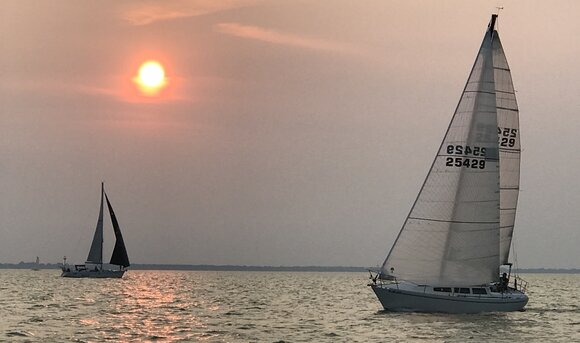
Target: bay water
205 306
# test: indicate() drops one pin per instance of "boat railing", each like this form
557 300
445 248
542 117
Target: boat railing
520 284
381 279
389 281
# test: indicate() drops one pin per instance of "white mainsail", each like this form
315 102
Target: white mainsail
509 147
456 231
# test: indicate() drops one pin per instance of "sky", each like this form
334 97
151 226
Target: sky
289 132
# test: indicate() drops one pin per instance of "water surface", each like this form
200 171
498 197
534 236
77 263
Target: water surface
192 306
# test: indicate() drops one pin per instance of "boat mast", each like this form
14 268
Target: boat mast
492 23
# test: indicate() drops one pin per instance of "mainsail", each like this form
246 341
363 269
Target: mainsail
456 231
96 252
509 147
119 256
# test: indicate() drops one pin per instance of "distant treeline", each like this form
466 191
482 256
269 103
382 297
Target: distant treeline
202 267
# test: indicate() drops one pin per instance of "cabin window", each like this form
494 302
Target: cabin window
478 291
461 290
442 289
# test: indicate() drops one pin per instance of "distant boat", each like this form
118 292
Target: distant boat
95 258
36 264
448 254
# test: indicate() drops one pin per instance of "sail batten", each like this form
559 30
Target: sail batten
460 226
485 92
452 221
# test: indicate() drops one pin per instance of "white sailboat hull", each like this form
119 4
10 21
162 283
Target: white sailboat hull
400 297
100 274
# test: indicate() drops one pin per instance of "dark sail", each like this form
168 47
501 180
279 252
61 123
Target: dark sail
119 256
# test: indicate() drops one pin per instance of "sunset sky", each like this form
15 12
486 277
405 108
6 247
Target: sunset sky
286 132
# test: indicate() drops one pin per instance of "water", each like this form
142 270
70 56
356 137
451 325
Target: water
183 306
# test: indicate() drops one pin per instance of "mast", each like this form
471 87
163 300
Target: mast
492 24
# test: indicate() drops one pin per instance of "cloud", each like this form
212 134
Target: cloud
115 88
274 37
144 13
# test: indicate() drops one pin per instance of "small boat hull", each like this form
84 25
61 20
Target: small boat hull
96 274
418 299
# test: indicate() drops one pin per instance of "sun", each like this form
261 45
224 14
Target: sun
151 78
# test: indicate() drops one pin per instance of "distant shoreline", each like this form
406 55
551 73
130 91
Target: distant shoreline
208 267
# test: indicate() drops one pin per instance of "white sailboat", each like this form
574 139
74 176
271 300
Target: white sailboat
95 258
448 254
36 264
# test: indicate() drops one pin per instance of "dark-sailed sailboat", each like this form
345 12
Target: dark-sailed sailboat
95 258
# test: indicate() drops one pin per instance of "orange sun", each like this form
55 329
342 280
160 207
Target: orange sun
151 78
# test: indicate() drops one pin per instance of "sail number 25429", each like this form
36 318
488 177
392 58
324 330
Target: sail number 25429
473 157
507 136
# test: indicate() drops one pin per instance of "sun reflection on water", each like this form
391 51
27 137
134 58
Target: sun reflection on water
151 307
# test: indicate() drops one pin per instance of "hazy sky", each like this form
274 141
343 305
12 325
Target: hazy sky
290 133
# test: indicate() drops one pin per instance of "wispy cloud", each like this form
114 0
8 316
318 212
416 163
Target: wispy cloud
113 88
144 13
274 37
